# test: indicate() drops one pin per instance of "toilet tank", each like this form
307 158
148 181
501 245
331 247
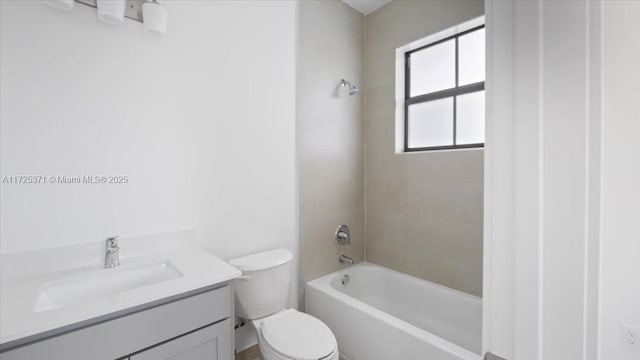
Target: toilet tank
264 287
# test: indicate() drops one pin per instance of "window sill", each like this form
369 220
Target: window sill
479 148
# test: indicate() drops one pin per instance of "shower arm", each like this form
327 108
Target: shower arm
352 88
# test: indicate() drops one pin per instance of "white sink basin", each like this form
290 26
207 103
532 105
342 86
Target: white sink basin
101 284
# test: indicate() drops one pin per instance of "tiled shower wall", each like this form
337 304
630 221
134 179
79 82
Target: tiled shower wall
423 210
330 136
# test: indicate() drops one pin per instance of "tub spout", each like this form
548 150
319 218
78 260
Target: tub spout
345 259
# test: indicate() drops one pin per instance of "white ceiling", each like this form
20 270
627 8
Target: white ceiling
367 6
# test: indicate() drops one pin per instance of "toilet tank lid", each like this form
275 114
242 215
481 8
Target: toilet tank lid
263 260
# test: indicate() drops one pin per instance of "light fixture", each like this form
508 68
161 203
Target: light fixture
154 17
66 5
111 11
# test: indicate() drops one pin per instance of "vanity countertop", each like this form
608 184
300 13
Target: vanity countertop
32 283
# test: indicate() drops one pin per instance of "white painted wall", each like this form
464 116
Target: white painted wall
201 121
330 136
620 246
561 179
543 189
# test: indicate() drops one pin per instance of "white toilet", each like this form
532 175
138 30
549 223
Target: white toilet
261 295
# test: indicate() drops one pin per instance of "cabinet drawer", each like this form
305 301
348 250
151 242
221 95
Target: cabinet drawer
122 336
210 343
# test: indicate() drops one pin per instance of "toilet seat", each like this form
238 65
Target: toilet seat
295 335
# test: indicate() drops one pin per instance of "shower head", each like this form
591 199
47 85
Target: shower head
352 88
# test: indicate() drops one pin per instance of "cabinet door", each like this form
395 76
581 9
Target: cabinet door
210 343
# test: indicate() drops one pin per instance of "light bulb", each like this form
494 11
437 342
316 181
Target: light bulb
155 18
111 11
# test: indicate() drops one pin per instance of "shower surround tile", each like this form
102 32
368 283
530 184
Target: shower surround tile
423 210
330 136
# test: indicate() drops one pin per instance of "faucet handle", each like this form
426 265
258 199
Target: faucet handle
112 253
342 235
112 242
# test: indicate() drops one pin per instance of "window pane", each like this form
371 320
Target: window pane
470 118
471 57
433 68
431 123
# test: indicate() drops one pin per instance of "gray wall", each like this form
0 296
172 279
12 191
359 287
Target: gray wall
423 210
330 135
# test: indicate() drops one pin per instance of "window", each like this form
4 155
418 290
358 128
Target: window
444 93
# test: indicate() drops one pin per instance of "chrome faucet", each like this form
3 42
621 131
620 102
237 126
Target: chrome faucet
112 253
345 259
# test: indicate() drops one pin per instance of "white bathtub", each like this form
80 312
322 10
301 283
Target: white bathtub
381 314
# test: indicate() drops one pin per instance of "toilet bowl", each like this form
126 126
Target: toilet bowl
261 295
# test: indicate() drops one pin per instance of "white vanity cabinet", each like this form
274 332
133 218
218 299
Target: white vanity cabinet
193 326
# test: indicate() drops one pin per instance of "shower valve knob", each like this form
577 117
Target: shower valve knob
342 235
